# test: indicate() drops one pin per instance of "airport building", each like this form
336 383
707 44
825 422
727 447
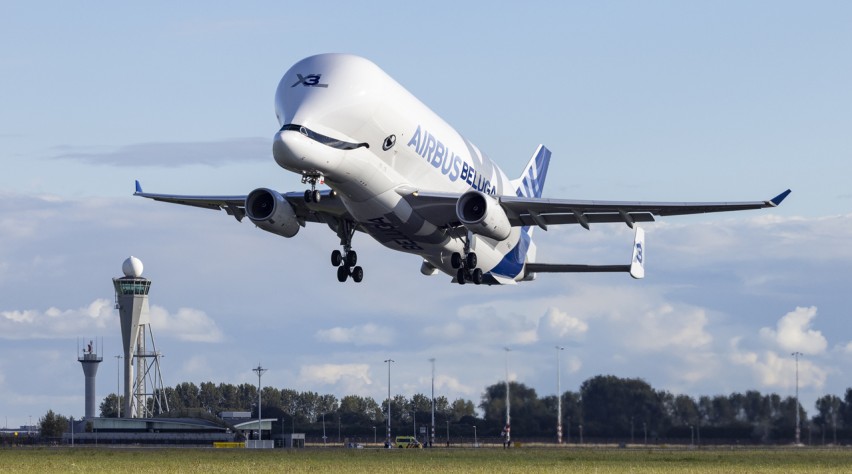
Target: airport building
143 397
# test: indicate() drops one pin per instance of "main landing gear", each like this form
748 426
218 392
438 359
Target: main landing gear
346 261
313 194
466 267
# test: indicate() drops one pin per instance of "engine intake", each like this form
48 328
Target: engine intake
483 215
270 211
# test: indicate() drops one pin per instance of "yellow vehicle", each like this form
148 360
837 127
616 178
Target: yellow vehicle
407 442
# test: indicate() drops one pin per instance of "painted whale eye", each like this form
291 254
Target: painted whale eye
390 141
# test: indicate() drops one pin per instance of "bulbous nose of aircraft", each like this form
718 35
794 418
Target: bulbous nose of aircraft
304 151
290 149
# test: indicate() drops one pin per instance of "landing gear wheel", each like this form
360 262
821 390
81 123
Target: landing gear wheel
315 195
351 258
342 274
476 277
357 274
308 195
461 276
456 260
336 258
471 260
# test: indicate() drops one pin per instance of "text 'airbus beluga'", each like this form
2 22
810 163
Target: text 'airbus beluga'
401 174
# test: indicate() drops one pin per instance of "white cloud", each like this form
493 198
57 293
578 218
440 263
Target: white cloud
563 325
367 334
665 327
794 333
56 323
446 382
348 378
772 370
213 153
448 331
186 325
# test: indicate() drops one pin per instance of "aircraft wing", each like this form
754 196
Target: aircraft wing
328 210
439 208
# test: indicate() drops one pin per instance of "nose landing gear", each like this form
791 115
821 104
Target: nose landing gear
313 194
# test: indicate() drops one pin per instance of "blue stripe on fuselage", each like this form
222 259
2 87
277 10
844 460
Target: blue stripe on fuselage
513 262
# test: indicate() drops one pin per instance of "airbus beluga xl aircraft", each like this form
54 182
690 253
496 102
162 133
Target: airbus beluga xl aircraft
400 174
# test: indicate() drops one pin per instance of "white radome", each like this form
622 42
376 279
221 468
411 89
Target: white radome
132 267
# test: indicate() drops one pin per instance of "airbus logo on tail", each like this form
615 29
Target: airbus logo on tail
311 80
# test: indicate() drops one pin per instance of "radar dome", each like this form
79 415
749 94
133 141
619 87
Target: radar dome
132 267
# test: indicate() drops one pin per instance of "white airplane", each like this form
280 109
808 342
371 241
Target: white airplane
401 174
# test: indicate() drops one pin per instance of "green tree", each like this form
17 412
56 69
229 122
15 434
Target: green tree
52 425
830 408
186 395
110 406
610 404
229 398
684 411
357 410
461 408
209 398
529 416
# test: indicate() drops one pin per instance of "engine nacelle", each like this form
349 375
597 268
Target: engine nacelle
482 214
270 211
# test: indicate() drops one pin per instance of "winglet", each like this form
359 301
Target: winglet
777 199
637 263
138 188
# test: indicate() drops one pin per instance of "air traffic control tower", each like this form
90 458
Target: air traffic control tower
90 360
131 300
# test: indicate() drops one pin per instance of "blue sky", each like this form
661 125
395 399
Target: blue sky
638 101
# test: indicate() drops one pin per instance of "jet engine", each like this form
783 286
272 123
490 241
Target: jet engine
270 211
483 215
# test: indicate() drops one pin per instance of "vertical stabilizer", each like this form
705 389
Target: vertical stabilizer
637 262
531 182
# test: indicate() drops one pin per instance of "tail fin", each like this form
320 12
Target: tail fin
531 182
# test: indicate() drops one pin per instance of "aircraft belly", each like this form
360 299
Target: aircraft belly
391 221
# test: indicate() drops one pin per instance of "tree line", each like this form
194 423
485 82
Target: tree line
606 408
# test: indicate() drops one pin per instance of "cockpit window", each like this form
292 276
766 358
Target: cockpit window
318 137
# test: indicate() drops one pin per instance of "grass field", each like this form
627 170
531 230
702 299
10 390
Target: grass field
638 460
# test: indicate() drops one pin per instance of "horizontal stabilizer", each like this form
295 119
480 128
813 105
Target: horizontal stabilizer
636 268
572 268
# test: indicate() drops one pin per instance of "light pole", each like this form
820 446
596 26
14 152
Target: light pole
260 370
118 384
475 442
797 355
323 429
559 349
448 433
432 426
375 438
508 427
389 361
